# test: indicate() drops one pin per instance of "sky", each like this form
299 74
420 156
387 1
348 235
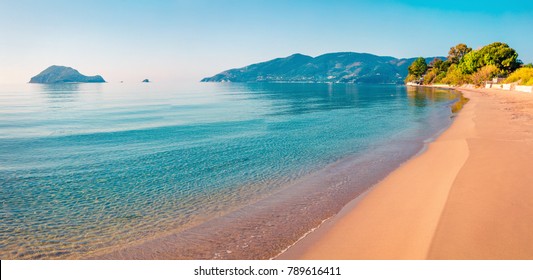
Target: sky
186 40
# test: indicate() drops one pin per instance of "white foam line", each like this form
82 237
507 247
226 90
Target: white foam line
299 239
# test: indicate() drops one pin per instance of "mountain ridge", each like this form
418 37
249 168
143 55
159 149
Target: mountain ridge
338 67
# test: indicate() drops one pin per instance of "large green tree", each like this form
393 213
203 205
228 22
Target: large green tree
501 56
470 63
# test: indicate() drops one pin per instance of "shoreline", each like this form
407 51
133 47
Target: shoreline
477 205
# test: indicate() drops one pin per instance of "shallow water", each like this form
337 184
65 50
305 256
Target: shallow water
89 167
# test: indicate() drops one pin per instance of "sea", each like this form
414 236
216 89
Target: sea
196 170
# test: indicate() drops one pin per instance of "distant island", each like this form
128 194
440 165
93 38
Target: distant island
62 74
146 81
343 67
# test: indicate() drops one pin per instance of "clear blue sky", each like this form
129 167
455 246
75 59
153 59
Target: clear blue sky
189 39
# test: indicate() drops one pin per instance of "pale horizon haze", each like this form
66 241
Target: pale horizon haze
180 40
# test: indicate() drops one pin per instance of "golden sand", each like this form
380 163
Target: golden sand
469 196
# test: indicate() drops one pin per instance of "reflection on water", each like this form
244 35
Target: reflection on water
66 92
66 88
421 96
60 94
302 98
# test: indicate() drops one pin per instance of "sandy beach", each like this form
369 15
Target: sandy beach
469 196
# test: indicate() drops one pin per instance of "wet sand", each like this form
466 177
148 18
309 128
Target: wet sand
469 196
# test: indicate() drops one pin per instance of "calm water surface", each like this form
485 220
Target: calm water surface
85 167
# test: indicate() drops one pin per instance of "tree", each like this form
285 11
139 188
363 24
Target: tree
418 68
457 53
437 72
430 76
501 56
435 61
439 65
470 63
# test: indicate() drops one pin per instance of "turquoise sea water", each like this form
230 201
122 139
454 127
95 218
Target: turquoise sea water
85 167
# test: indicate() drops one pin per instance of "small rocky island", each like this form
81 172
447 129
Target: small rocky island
62 74
146 81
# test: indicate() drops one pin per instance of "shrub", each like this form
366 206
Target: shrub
411 78
485 73
524 76
429 78
440 77
455 76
